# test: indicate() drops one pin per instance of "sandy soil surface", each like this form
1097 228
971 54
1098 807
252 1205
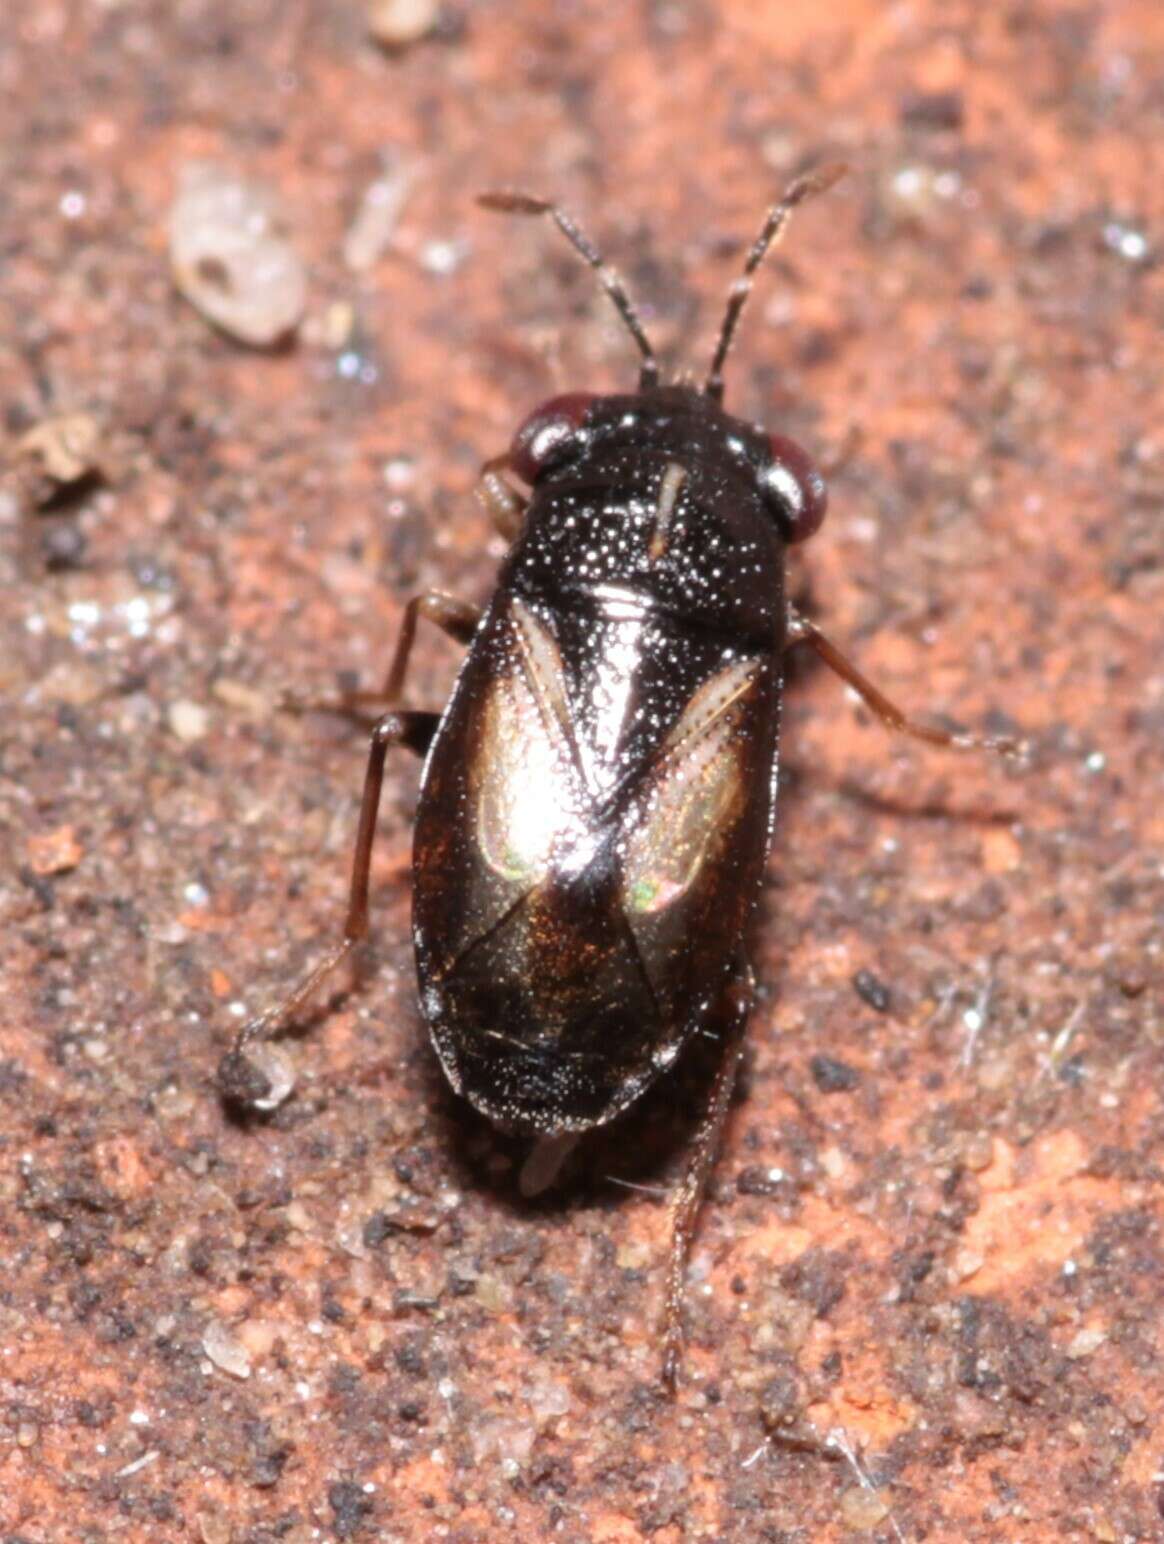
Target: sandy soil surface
926 1291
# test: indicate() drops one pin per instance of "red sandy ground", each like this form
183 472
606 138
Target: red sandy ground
958 1262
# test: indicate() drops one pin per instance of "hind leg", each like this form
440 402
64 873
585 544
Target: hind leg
728 1021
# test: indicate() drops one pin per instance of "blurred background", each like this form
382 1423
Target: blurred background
255 341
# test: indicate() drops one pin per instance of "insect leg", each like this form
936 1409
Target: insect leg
729 1017
458 618
801 630
504 505
236 1076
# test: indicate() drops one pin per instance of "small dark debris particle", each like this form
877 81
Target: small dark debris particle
412 1410
759 1180
240 1082
409 1357
932 109
41 887
406 1301
834 1077
267 1469
351 1506
779 1401
376 1230
462 1280
63 546
1074 1070
872 990
13 1078
817 1278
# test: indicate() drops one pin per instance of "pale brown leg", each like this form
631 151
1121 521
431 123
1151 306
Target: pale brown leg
458 618
503 504
728 1021
801 630
414 730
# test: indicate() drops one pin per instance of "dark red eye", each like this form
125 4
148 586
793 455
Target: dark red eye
548 433
794 488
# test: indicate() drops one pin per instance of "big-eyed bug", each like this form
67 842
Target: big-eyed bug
598 796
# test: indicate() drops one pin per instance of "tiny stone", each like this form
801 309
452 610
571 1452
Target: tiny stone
932 109
188 720
492 1294
632 1257
226 1350
371 231
872 990
966 1263
64 449
54 852
833 1077
397 23
231 259
863 1509
214 1527
549 1400
760 1180
261 1077
1085 1343
236 694
63 546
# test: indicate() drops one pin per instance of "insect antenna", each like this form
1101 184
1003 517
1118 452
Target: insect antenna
775 221
524 203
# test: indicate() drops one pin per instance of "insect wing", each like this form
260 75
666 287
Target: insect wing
502 795
696 831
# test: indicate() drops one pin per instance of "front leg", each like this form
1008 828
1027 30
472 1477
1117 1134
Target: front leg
458 618
500 500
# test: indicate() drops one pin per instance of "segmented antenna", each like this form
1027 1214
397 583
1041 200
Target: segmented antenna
523 203
818 181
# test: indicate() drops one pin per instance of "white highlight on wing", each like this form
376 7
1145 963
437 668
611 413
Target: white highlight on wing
692 793
528 796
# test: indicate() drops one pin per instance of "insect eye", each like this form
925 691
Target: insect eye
794 489
549 432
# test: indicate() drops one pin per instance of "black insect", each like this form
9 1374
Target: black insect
598 797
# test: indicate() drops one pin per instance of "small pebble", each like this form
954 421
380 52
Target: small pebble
65 447
1085 1343
261 1077
371 231
231 258
54 852
397 23
833 1077
872 990
863 1509
226 1350
188 720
